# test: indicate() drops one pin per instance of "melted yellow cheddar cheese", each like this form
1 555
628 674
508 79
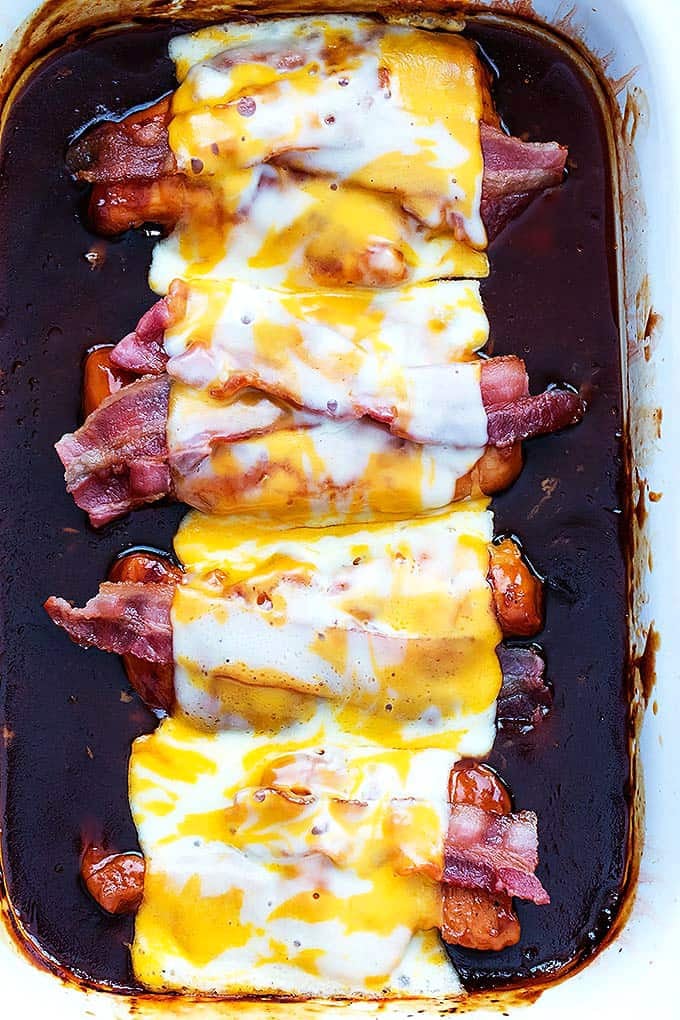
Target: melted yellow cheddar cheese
337 151
323 336
294 866
302 232
256 455
391 624
409 351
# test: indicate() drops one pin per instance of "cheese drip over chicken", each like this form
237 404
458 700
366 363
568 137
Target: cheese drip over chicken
304 868
390 625
336 150
324 358
260 455
403 357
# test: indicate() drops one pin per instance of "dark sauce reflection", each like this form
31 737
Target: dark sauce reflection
551 299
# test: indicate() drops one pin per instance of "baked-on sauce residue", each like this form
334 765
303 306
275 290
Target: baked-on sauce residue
551 299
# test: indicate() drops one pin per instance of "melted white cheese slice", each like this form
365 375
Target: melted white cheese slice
336 150
403 357
298 867
255 455
392 109
391 624
300 232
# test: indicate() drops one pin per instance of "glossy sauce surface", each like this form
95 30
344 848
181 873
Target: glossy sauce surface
69 715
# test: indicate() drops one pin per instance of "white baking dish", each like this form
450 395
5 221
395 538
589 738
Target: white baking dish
634 47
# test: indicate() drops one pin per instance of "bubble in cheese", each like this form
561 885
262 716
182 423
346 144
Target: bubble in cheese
391 624
302 867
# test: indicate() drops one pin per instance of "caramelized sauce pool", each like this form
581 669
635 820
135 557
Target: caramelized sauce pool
68 715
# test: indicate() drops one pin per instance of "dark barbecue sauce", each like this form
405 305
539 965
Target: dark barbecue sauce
68 718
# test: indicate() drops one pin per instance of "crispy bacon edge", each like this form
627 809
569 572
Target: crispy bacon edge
118 459
526 696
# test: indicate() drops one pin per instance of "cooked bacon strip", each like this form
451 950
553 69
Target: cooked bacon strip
514 415
518 593
136 179
136 146
118 459
525 698
497 853
540 415
142 351
114 881
101 462
504 379
153 682
514 173
129 618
